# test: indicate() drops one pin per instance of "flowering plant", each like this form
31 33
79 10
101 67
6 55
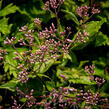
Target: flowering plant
51 46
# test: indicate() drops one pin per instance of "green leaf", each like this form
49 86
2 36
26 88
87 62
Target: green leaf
105 95
82 63
72 16
4 27
35 10
8 10
11 85
45 66
101 39
67 56
106 4
10 64
65 59
75 76
50 85
92 29
23 100
1 39
81 0
70 5
74 59
94 26
43 75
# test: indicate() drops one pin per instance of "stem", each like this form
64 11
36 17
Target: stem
59 39
11 65
40 77
23 105
43 83
88 19
68 35
27 87
56 13
17 51
72 43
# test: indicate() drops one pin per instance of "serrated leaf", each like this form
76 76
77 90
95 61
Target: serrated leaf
10 65
67 56
94 26
4 27
72 16
75 76
45 66
42 68
99 72
8 10
101 39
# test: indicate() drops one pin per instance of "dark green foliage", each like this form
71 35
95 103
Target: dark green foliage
33 83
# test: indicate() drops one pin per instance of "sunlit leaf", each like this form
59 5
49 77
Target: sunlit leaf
8 10
10 85
92 29
4 27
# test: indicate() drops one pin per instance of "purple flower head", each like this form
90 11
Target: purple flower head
62 76
95 11
83 11
37 21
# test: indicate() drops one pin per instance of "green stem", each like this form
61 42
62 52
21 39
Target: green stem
18 52
57 19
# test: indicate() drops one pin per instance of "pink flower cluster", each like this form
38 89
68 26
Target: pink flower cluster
9 41
37 21
99 81
84 11
48 50
90 70
47 33
58 99
23 29
53 3
90 98
30 100
81 36
53 45
23 76
2 53
95 11
28 35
